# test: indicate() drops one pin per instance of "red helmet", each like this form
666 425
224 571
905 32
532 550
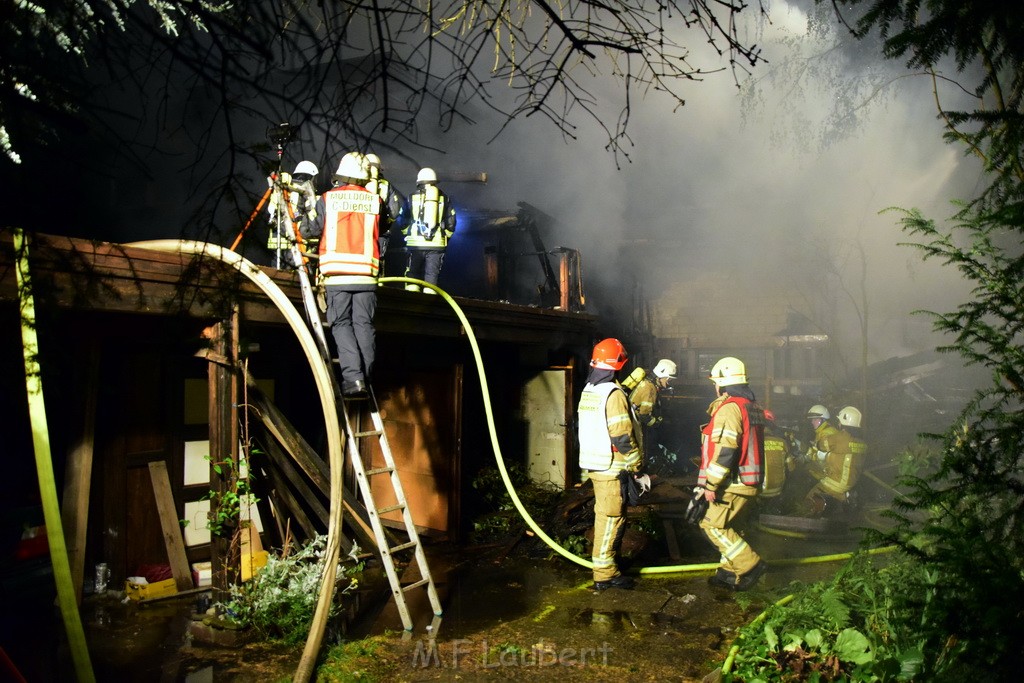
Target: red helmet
609 354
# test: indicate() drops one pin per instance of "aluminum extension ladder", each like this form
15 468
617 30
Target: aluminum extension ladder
390 473
363 475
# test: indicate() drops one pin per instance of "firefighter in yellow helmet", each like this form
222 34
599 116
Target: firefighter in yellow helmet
610 447
430 224
731 472
838 473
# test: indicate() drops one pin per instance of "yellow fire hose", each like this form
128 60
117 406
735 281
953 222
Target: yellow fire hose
672 569
335 446
66 597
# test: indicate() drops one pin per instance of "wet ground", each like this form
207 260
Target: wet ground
506 616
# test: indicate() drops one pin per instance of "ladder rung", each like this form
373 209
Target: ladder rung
360 435
391 508
379 470
404 546
419 583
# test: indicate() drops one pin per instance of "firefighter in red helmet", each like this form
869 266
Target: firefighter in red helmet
610 447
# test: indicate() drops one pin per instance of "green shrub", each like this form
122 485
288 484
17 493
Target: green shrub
279 602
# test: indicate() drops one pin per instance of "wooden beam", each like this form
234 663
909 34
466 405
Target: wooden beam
78 474
168 514
308 460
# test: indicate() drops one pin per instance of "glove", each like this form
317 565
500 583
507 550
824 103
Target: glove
644 480
697 507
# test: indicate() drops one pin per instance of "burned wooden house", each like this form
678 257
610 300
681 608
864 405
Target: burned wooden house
155 357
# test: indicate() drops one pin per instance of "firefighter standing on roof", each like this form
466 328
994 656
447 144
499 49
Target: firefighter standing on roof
732 453
349 220
609 446
430 225
393 200
293 198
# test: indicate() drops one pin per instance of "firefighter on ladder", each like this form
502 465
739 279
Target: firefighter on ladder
731 472
293 198
349 220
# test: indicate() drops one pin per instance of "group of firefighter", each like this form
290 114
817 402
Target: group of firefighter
351 225
425 220
745 455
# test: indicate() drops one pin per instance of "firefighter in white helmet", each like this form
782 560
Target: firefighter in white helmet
838 473
293 198
349 220
429 226
731 472
644 394
610 447
820 419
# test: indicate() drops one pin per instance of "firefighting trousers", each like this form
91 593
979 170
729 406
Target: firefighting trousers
424 264
350 315
609 525
737 556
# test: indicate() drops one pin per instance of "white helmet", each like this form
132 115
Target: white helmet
353 165
307 167
426 176
729 371
849 417
818 411
372 160
665 369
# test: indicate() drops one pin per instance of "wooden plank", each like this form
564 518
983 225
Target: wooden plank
308 460
287 501
168 513
283 464
78 474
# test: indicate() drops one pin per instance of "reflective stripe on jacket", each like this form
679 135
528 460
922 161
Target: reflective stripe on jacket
431 221
599 422
744 432
843 463
774 466
349 248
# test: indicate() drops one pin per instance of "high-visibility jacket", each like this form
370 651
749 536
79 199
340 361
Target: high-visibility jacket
348 224
823 435
644 398
605 419
736 426
843 464
776 453
393 200
431 221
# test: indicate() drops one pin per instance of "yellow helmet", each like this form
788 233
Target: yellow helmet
729 371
